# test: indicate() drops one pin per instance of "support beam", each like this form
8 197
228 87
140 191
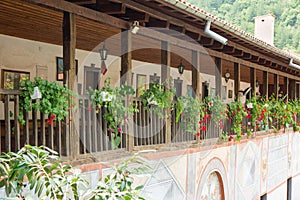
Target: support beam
286 87
126 70
69 46
276 85
265 85
165 77
237 80
69 7
253 81
292 89
196 79
218 74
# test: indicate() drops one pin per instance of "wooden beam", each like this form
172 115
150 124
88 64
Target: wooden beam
69 71
237 80
165 77
286 86
253 81
276 85
265 88
292 89
218 74
196 79
126 70
62 6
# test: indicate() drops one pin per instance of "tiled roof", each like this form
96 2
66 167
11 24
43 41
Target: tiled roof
196 11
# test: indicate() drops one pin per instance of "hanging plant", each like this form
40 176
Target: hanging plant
117 114
52 99
217 109
158 98
189 110
236 112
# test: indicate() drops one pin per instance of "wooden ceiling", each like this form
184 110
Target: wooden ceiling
27 19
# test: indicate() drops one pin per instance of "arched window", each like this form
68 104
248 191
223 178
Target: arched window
213 187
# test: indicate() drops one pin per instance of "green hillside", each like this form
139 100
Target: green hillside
242 12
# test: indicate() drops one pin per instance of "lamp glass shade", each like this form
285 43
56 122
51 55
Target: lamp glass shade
103 53
181 68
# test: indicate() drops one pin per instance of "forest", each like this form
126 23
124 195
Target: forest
241 13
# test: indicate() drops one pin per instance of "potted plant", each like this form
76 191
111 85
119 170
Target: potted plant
118 114
158 98
51 98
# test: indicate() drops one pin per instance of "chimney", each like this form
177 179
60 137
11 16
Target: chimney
264 28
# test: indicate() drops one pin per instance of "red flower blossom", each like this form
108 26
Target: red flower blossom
230 138
198 134
248 116
221 124
182 114
203 128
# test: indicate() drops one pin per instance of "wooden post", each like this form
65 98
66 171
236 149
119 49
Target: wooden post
126 69
292 89
276 85
237 80
196 80
165 77
218 74
286 87
265 85
253 81
69 45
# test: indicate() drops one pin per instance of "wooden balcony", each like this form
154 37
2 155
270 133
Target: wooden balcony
148 130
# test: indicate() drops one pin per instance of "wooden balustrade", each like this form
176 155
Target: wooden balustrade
93 134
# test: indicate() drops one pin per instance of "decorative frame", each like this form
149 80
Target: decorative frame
60 68
10 79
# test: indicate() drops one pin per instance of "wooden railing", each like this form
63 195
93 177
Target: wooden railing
93 134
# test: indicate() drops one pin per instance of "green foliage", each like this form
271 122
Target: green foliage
47 178
241 13
236 112
119 185
54 99
189 110
158 98
216 108
118 113
40 166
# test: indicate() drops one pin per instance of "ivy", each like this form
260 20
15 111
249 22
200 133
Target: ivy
54 99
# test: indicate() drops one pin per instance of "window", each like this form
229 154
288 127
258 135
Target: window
189 90
140 84
154 78
60 68
178 87
289 189
11 79
91 77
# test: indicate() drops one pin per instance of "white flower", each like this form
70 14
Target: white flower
266 105
106 96
249 105
151 100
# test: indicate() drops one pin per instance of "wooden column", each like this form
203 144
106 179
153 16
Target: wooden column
276 85
253 81
265 88
218 74
196 80
237 80
126 69
165 77
292 89
69 45
286 87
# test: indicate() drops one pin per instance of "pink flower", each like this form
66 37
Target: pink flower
89 108
111 130
119 129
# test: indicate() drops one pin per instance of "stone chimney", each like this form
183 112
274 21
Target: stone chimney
264 28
